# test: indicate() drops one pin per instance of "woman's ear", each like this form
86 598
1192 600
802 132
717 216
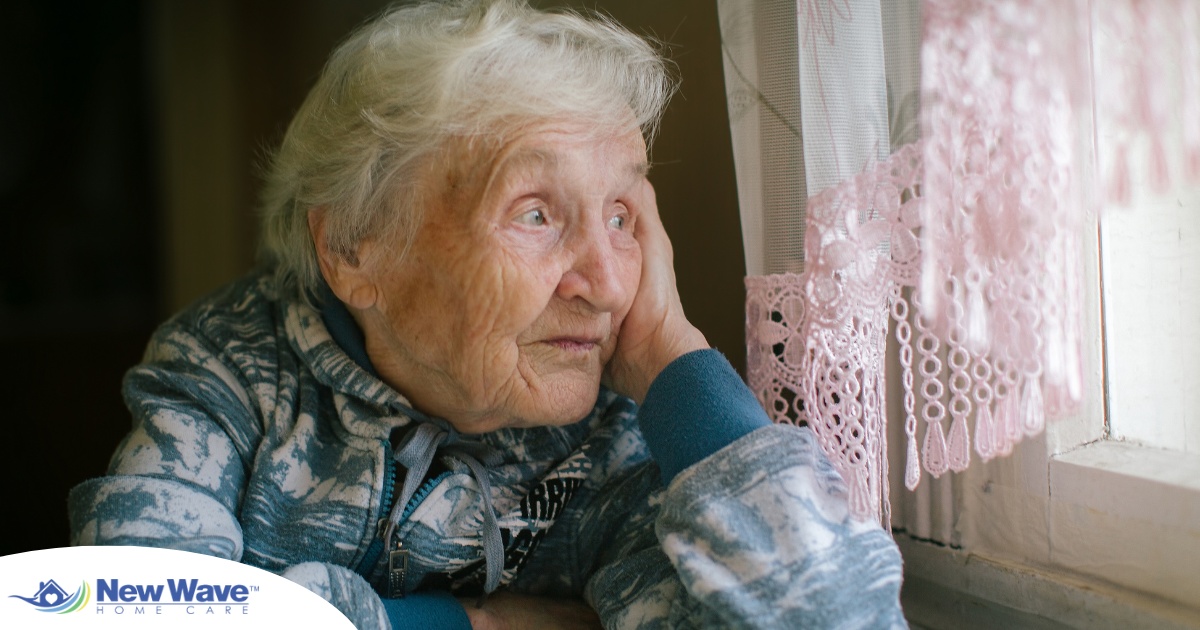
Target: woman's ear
346 273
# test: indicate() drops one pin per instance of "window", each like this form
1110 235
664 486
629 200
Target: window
1098 522
1151 261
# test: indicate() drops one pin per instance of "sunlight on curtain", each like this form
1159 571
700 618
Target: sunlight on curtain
965 240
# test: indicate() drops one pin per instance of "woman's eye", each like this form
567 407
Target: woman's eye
535 217
617 222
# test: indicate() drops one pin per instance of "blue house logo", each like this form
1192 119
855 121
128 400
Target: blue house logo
51 598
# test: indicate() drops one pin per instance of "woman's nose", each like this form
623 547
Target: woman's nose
595 274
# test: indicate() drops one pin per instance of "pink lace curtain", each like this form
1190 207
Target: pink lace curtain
925 170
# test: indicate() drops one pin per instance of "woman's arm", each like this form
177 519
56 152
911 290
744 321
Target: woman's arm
754 535
753 529
179 478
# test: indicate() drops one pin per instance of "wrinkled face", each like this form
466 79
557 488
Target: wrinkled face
507 306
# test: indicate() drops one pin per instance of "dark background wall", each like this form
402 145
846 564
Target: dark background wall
130 137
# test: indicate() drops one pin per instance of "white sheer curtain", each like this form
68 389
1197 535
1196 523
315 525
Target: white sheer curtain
819 92
960 240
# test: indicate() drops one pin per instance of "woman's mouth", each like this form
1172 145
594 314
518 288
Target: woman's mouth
574 344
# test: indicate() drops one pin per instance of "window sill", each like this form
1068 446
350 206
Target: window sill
1132 480
1115 544
1128 515
950 589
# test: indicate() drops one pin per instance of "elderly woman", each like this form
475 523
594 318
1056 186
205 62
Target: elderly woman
465 369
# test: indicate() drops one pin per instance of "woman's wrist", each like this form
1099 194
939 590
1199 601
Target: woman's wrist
696 406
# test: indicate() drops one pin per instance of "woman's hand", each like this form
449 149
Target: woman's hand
509 611
655 332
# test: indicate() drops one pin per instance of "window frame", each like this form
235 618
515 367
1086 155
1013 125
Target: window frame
1076 526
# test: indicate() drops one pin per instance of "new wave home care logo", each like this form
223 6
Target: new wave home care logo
135 588
51 598
111 594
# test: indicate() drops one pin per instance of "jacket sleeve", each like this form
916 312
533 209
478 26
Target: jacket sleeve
754 534
178 478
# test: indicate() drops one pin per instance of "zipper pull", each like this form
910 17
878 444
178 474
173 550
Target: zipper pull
397 570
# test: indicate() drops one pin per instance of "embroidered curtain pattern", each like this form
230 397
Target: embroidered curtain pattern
961 241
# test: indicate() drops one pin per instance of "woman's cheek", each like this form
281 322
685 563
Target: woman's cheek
517 291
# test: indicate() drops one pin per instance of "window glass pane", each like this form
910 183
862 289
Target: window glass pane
1151 287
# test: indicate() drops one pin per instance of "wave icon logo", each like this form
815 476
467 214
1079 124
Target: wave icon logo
51 598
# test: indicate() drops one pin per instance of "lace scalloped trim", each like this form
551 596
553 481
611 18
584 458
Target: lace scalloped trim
817 340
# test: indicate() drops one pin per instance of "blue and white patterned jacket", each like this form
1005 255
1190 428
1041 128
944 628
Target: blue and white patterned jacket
257 438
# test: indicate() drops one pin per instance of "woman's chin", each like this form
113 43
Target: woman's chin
558 403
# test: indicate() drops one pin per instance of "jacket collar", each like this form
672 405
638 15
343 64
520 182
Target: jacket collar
330 344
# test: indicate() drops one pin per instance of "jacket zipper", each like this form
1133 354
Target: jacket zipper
397 576
398 557
385 507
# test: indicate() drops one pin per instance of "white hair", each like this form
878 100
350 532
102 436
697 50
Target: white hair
406 83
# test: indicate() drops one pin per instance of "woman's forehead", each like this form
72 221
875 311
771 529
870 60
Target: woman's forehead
552 151
485 165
